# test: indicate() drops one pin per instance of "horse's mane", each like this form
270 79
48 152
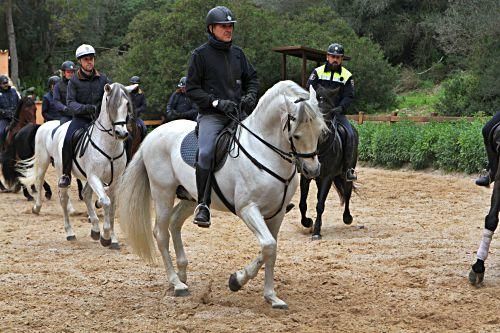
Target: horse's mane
115 95
23 103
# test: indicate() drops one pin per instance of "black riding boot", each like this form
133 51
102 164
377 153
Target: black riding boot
492 168
67 164
350 175
202 211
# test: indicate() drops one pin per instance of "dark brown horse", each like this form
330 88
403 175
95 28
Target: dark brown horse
19 144
134 139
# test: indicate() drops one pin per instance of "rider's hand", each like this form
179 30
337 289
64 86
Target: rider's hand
248 103
338 109
91 109
227 106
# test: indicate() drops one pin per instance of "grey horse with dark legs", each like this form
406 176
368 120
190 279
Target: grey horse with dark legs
334 163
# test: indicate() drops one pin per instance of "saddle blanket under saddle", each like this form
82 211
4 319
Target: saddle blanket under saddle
189 149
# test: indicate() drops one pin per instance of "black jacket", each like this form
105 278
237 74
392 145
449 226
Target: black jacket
8 103
86 90
180 107
139 101
60 93
219 70
49 110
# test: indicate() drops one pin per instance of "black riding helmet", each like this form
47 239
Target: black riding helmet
182 82
68 66
219 15
53 80
135 79
4 79
335 49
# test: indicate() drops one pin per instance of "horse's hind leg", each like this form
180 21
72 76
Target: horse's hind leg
180 213
27 194
344 188
95 232
162 234
304 191
476 274
114 239
43 164
48 190
324 185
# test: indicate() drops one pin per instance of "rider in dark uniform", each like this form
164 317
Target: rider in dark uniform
8 103
139 101
49 109
219 79
60 91
333 75
85 92
179 105
490 152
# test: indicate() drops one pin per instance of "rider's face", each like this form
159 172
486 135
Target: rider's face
87 63
4 85
223 32
68 74
334 59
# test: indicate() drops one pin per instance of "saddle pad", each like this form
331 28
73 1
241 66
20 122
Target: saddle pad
189 148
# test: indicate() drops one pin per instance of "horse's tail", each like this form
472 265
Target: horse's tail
134 208
8 161
339 185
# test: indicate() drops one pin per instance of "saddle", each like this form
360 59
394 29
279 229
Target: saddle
75 140
224 144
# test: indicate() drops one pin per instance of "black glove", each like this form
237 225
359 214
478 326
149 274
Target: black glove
227 106
338 109
248 102
90 109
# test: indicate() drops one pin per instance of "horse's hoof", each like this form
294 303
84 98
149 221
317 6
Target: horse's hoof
48 195
347 219
105 242
315 237
36 210
114 246
71 238
233 283
475 278
95 235
181 292
306 222
98 204
289 207
280 306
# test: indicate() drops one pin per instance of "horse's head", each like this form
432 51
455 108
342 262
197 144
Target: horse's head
118 107
305 125
25 111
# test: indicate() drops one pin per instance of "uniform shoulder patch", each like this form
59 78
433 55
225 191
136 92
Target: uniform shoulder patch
313 76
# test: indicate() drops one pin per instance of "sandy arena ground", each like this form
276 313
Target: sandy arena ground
400 267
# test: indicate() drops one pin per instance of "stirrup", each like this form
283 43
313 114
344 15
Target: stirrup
352 177
64 181
202 223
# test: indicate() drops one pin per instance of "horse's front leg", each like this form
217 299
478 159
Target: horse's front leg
180 213
95 232
64 198
324 185
114 239
304 192
476 274
48 190
345 188
27 194
105 202
252 217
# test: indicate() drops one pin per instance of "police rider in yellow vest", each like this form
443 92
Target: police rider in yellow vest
333 75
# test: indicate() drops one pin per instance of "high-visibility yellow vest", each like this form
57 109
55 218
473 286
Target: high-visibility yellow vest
327 76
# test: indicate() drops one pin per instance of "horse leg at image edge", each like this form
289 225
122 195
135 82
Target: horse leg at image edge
307 222
323 185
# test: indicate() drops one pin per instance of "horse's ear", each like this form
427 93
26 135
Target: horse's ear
131 88
107 88
312 95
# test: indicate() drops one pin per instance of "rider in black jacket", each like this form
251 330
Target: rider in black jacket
220 79
85 92
8 103
179 105
60 91
49 110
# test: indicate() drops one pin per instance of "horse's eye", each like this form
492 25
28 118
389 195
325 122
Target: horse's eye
296 137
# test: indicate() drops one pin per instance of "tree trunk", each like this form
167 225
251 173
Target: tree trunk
14 69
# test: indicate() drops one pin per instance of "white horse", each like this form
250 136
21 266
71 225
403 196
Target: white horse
259 182
101 164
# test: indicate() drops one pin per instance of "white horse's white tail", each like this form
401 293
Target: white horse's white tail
28 170
134 208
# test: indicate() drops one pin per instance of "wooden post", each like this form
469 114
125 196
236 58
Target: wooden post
283 66
39 117
394 115
304 67
361 115
4 62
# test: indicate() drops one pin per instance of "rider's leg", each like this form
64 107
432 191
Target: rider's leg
209 127
348 148
142 127
490 152
67 153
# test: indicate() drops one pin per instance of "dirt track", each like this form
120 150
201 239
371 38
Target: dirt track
404 270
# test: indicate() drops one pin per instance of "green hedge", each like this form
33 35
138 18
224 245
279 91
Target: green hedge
453 146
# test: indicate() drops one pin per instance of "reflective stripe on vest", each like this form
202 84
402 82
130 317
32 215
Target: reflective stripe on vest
341 78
